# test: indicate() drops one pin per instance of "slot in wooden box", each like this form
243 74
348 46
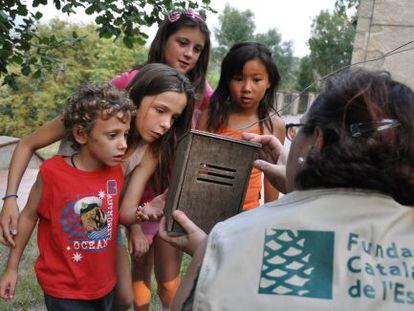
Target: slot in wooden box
209 179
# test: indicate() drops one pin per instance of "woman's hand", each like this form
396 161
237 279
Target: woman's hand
8 221
190 241
273 158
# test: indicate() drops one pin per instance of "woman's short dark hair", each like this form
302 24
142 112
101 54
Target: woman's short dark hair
358 150
231 66
156 53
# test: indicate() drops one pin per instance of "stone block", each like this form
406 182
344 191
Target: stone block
393 12
363 25
365 9
385 40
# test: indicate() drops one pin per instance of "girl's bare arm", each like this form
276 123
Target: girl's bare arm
42 137
27 222
135 188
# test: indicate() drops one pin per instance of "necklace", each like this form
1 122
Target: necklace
72 157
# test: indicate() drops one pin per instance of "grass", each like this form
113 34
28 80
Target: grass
29 295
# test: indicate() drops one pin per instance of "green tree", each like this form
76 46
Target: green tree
331 42
21 45
237 26
282 53
234 26
344 6
305 75
88 60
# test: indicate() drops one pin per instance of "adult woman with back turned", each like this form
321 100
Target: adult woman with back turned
341 239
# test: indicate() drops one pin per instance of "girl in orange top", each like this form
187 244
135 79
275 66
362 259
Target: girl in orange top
244 102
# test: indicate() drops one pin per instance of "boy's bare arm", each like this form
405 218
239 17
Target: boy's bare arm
27 222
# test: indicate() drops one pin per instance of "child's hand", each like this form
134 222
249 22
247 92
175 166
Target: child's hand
8 284
152 210
138 244
9 216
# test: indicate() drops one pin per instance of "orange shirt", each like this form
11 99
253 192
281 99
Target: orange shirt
252 198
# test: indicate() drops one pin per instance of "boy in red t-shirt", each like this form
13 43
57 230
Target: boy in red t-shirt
75 199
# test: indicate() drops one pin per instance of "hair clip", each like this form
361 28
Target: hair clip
358 129
175 15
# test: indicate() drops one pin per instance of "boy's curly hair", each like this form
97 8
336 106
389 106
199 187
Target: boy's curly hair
91 101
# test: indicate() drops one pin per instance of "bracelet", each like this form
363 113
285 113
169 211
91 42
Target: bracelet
14 195
139 214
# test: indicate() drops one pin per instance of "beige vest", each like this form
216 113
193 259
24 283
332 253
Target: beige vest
329 249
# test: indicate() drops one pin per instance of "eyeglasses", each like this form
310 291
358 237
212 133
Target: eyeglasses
292 129
359 129
175 15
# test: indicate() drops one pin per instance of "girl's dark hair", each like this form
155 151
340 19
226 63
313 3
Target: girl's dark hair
358 150
232 65
156 53
154 79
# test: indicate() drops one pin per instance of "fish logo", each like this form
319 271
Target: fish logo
297 263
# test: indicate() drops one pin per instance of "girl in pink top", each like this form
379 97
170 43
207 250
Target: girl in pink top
182 42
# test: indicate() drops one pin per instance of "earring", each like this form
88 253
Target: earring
301 160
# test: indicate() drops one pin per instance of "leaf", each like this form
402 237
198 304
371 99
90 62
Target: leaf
129 43
16 59
22 10
25 70
37 74
91 9
57 4
10 80
67 8
38 15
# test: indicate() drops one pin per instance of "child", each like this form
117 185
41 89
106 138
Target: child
244 102
182 42
75 200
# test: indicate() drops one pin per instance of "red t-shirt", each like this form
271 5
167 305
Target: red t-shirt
77 232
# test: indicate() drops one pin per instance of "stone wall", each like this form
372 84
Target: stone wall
7 145
384 25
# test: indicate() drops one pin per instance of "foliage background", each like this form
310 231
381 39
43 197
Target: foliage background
91 59
78 54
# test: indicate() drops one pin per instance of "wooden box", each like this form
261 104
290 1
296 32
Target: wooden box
209 179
